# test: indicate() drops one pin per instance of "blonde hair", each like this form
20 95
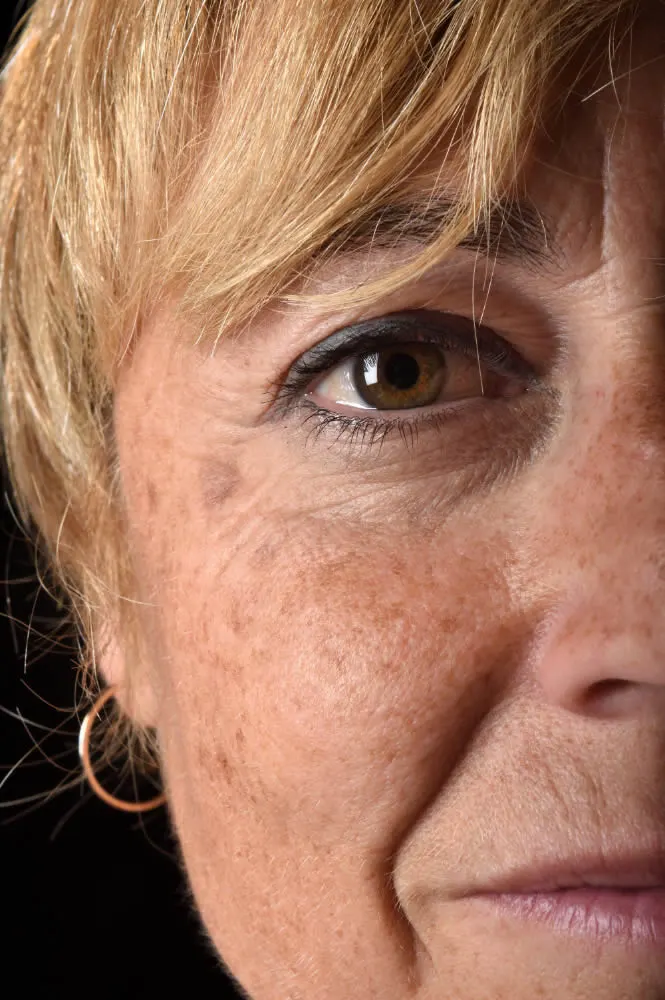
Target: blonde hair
211 151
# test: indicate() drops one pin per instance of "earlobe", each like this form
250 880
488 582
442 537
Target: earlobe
134 691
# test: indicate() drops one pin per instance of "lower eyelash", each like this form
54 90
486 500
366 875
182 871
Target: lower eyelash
370 432
356 430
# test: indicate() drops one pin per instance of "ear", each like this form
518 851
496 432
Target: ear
134 690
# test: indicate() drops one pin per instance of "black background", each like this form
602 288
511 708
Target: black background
93 903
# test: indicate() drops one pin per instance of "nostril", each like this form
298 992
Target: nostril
613 697
603 688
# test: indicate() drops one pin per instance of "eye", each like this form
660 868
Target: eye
406 361
407 373
411 375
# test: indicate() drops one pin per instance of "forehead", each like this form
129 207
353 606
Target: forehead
597 168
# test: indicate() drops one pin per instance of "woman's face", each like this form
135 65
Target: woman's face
406 638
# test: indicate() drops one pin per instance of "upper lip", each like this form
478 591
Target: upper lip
620 870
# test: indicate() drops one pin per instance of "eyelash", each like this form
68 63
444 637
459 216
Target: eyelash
447 331
371 432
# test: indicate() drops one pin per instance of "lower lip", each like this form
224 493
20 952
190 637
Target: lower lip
629 916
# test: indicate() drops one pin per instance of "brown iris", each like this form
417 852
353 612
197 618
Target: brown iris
401 377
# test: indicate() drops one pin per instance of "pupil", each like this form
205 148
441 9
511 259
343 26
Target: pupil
402 371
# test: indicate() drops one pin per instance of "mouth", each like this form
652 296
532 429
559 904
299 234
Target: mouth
613 900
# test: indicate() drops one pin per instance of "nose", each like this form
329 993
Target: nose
597 556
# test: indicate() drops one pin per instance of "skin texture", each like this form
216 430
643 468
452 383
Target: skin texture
380 677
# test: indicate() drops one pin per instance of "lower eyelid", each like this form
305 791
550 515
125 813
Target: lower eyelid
518 426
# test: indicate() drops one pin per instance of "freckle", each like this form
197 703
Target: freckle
232 616
219 482
151 492
225 767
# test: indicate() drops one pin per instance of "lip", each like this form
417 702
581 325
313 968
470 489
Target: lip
619 899
628 917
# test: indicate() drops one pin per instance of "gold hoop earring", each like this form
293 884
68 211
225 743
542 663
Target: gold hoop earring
84 754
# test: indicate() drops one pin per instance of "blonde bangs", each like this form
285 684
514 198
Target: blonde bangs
328 116
213 153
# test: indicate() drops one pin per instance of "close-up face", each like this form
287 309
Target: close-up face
400 575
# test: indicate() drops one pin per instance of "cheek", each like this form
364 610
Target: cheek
319 682
329 676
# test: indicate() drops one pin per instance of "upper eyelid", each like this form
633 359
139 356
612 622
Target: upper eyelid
406 327
403 326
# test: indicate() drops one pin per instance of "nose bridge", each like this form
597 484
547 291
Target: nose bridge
610 489
600 538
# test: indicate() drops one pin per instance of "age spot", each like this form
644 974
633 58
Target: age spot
219 482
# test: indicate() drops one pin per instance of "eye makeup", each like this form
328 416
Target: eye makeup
450 333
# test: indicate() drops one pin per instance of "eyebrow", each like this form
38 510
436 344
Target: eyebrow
514 231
